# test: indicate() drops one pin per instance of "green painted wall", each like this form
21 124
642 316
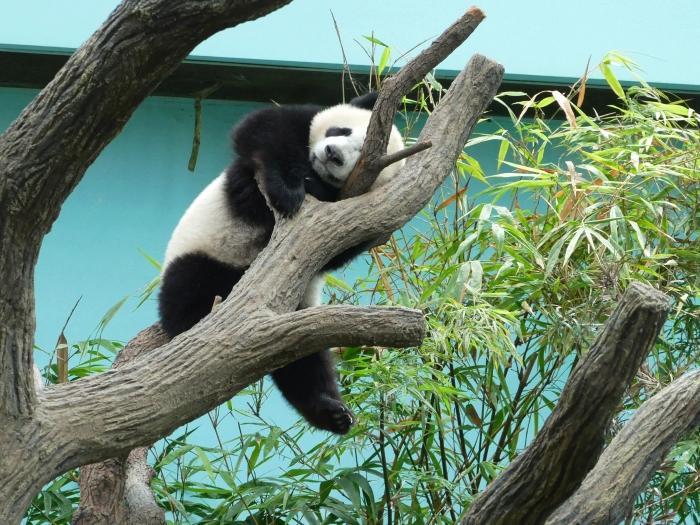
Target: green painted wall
537 37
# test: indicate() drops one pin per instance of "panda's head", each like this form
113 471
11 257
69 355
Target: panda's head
336 138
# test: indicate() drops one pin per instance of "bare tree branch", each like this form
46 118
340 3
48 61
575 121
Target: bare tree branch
568 446
386 160
236 350
393 89
626 466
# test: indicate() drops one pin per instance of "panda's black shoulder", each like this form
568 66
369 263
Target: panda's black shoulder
281 128
279 133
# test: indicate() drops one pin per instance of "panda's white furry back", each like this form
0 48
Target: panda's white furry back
298 150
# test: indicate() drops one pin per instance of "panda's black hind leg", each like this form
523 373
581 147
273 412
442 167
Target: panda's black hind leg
188 288
310 386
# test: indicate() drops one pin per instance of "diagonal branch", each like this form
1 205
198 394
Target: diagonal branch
569 444
393 89
608 492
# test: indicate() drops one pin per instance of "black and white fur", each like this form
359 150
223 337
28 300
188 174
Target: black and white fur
299 149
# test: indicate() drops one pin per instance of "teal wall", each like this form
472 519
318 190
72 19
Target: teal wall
535 37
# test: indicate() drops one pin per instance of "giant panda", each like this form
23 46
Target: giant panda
299 150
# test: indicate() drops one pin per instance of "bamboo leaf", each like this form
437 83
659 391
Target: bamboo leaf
612 80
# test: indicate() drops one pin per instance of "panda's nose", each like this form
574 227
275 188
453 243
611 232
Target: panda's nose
333 154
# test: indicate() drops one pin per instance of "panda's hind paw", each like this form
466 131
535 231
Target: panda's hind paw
343 420
332 415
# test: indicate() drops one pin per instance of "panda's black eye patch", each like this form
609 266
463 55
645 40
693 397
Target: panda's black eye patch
338 132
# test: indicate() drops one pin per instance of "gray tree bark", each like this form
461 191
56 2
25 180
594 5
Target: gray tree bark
118 490
607 494
561 478
44 154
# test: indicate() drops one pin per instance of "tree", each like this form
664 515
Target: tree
44 154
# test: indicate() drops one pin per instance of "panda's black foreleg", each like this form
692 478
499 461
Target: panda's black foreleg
284 181
310 386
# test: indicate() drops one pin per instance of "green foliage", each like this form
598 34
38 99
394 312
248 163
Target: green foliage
516 264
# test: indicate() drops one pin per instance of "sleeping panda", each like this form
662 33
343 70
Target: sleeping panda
299 150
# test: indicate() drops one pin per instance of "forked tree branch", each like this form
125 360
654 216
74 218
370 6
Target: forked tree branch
568 446
393 89
607 494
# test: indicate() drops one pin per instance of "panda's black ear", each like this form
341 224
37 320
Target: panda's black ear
365 101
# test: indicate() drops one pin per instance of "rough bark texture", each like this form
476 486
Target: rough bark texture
569 444
607 494
151 396
141 506
118 490
101 493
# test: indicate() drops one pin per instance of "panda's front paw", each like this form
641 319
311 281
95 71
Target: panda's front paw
286 200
